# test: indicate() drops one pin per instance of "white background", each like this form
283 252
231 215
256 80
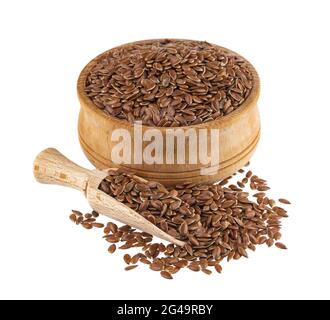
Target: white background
45 44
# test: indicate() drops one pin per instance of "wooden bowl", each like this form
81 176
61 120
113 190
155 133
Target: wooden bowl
239 135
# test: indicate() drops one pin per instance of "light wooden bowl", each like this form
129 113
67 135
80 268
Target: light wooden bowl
240 132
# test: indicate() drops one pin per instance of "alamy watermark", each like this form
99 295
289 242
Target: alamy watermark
176 146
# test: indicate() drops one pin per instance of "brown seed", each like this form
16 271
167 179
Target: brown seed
216 252
106 230
73 217
166 275
207 271
170 248
112 238
263 188
270 242
277 236
245 180
239 222
280 211
218 268
181 263
272 202
145 261
240 184
250 214
98 225
237 255
228 203
156 266
131 267
127 258
77 213
161 247
193 240
183 229
153 248
112 248
212 263
113 227
248 174
284 201
195 268
136 258
148 84
242 252
262 240
95 214
126 246
230 255
259 194
172 269
189 249
280 245
216 219
79 220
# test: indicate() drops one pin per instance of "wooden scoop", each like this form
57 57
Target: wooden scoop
50 166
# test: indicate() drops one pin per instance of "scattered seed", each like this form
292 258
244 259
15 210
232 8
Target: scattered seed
218 268
87 225
166 275
112 248
248 174
195 268
80 219
156 266
98 225
131 267
127 258
145 261
216 222
77 213
95 214
207 271
284 201
280 245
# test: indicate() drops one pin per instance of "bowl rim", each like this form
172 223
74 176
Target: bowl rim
223 121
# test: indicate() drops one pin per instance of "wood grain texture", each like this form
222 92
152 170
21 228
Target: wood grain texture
239 136
52 167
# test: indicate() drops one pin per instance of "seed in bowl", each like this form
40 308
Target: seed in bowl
169 83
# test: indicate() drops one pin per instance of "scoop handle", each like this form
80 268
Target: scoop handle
52 167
